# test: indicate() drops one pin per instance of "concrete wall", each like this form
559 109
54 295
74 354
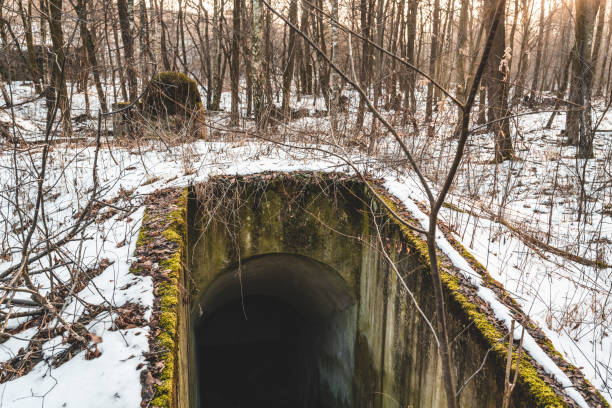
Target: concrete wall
377 350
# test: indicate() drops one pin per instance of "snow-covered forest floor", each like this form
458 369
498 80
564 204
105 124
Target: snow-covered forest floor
541 224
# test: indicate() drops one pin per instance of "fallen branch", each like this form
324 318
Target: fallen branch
530 240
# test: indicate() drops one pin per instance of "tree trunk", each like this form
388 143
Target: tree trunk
181 34
26 19
268 58
125 10
334 83
462 51
578 121
163 41
598 38
545 55
305 66
380 32
432 68
497 87
523 55
291 54
124 92
257 64
216 57
562 86
365 61
145 39
59 80
43 40
513 33
247 27
235 66
90 51
411 33
536 70
604 59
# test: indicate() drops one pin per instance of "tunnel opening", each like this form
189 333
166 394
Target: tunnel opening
289 302
276 332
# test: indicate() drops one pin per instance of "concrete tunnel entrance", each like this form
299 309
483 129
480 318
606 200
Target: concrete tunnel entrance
289 303
276 332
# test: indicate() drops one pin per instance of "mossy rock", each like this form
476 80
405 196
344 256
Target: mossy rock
173 104
172 93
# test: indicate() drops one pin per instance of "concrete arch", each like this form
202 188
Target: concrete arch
280 330
313 288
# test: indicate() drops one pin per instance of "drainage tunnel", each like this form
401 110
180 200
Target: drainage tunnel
276 332
291 304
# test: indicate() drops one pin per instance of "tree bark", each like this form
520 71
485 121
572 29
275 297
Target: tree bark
598 38
290 64
125 10
90 51
163 40
334 80
536 70
411 33
578 121
462 51
216 56
145 38
497 87
604 59
257 64
365 61
59 64
235 66
433 54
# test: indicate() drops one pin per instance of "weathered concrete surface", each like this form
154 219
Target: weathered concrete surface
311 271
313 247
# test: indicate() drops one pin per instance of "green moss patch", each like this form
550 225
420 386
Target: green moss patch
162 240
172 93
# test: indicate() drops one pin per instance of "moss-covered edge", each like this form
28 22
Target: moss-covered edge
168 295
544 394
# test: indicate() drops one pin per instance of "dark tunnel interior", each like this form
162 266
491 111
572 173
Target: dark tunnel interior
275 342
249 356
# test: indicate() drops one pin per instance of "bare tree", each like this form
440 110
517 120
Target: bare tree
538 60
59 65
433 55
235 66
497 85
578 121
125 10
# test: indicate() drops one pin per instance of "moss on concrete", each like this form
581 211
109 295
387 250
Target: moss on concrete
541 392
535 386
168 294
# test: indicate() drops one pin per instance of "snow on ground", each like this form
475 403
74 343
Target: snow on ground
30 118
538 194
10 348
